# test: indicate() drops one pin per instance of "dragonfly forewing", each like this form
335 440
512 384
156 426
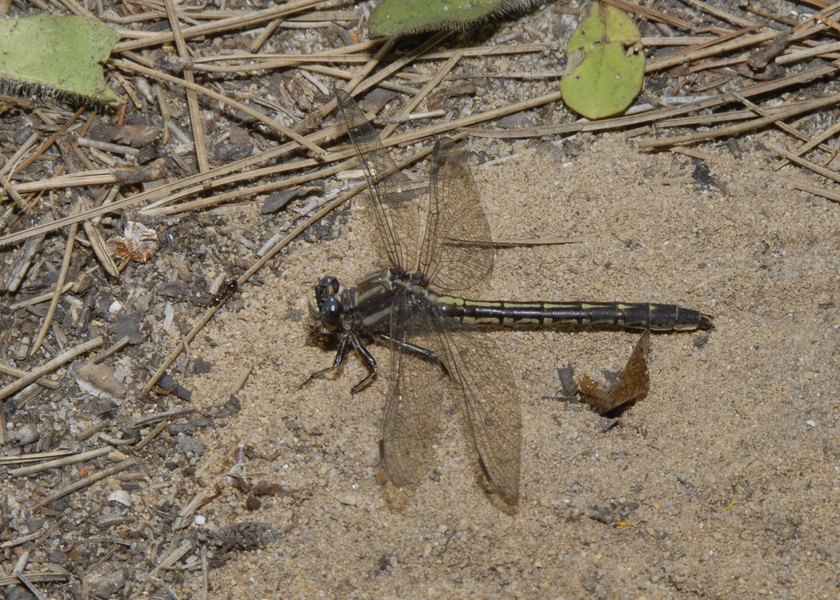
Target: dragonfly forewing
397 203
457 250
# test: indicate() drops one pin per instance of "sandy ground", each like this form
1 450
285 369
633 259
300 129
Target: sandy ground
725 475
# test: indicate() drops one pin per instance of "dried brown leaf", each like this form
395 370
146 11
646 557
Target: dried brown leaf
633 382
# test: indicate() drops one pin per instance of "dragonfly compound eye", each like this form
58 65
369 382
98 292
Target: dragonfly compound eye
328 285
331 312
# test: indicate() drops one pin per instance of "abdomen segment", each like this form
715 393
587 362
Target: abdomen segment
656 317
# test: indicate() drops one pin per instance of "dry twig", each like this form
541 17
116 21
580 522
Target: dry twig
49 367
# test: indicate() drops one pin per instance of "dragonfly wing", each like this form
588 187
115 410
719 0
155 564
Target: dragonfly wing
491 404
398 203
457 249
412 410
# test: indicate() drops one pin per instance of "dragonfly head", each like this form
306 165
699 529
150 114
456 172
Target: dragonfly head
324 303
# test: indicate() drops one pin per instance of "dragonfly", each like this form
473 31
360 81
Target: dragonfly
438 243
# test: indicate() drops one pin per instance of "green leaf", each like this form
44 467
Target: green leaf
605 65
57 56
396 17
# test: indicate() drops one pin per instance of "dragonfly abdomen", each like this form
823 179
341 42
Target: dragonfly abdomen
656 317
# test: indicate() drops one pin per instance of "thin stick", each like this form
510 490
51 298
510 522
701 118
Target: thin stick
401 62
650 14
163 106
114 148
262 37
93 430
662 40
171 558
170 415
339 74
666 63
49 367
768 15
354 54
34 457
427 89
732 115
192 98
205 580
250 191
61 462
189 510
666 113
223 99
797 56
822 16
49 142
720 14
100 246
783 126
284 167
817 141
85 481
25 581
243 377
198 14
152 435
112 350
807 164
47 534
62 276
10 189
244 21
711 41
813 189
742 127
432 114
7 370
261 62
31 141
361 75
40 577
82 179
20 540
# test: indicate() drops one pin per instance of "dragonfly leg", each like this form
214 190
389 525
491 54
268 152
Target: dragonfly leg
411 348
339 358
420 352
367 357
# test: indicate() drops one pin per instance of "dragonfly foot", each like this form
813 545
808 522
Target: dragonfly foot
363 383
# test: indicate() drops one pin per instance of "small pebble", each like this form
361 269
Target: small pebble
27 434
349 499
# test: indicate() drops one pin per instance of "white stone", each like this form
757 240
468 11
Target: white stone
121 497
